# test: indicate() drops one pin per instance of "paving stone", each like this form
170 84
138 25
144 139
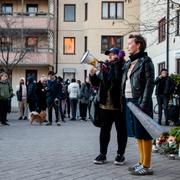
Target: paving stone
67 153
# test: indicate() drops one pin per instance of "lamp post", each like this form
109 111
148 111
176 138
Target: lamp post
167 36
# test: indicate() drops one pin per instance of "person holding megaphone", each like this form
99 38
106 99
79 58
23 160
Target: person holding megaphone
107 76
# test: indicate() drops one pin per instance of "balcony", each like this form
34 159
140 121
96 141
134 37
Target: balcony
40 20
40 57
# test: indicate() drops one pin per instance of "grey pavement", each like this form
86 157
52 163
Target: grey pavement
67 153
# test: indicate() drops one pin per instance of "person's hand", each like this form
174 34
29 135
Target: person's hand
93 71
160 76
143 107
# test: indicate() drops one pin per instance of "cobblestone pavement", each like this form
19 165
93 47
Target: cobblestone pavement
67 153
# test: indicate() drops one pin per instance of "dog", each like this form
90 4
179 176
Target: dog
38 117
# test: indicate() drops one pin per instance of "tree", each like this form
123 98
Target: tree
13 43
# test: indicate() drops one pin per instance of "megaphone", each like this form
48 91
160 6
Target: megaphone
88 58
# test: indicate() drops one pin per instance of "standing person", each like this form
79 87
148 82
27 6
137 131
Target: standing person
164 88
73 90
67 107
6 92
31 94
61 97
21 92
51 98
78 112
85 94
41 94
137 87
109 82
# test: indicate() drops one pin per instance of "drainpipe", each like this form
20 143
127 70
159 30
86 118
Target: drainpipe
57 31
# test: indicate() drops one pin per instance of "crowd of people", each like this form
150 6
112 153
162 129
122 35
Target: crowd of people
50 92
114 83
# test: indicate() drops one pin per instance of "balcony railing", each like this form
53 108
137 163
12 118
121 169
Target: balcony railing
42 56
19 20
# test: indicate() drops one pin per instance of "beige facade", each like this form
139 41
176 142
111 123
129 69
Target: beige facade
30 24
93 28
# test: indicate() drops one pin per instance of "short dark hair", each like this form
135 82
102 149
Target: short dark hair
51 73
138 38
164 69
73 80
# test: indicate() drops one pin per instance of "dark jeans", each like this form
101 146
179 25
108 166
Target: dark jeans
162 104
73 103
108 117
50 106
32 106
3 110
83 110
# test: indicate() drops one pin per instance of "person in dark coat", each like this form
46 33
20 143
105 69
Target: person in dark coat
109 82
6 92
85 94
164 88
137 87
52 98
31 94
62 97
41 93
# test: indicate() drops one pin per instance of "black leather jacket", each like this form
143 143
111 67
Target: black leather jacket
168 86
141 79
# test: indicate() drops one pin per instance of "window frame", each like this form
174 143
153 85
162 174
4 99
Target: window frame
32 5
161 66
74 5
162 30
109 44
34 47
109 2
5 4
64 53
6 42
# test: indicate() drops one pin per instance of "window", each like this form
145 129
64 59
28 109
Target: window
178 66
86 12
178 23
85 43
5 42
69 13
108 42
31 43
162 30
7 9
69 45
32 9
160 67
112 10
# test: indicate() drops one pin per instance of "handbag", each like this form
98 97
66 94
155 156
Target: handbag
95 112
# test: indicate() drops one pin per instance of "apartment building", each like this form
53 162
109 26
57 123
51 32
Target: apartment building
27 37
153 25
94 25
